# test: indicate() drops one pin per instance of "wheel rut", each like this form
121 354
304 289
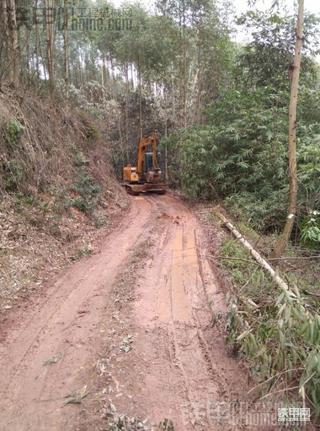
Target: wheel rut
132 325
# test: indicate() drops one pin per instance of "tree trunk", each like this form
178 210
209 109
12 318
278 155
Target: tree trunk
113 76
104 73
127 109
274 275
49 40
66 44
166 134
37 43
4 23
140 100
13 42
183 69
293 183
4 29
27 35
132 76
198 109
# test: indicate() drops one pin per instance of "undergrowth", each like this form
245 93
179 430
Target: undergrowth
277 331
88 192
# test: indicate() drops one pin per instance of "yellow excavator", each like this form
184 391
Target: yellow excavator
146 176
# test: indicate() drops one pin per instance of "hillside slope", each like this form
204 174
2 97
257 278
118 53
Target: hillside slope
57 187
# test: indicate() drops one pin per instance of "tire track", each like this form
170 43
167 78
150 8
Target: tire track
31 393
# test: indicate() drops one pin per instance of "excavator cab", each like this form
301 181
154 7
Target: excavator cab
146 176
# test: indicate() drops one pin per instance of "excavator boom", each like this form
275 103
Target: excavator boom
140 179
144 143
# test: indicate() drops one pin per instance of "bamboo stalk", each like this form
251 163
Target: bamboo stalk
274 275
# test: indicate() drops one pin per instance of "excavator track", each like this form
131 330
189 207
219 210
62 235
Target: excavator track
136 189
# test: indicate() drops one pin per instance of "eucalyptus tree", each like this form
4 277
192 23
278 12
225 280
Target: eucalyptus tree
292 140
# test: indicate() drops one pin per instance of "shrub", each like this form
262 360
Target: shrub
88 191
13 173
278 331
14 131
241 156
310 230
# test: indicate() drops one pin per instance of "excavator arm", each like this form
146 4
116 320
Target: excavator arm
137 179
143 144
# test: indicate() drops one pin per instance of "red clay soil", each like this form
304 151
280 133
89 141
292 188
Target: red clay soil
132 326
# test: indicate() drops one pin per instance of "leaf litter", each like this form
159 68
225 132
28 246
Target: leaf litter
122 422
77 396
126 344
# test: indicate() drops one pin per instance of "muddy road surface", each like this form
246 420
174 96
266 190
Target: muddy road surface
132 329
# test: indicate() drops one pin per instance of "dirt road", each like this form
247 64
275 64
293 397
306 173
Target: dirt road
131 326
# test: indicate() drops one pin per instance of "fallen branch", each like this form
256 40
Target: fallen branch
317 256
235 258
275 277
317 295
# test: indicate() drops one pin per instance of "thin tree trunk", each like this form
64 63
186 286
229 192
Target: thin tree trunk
127 109
140 107
185 85
166 134
198 114
13 42
66 44
37 43
184 75
80 73
4 23
274 275
49 40
173 95
27 34
112 69
123 161
132 76
140 100
182 68
292 144
104 72
4 28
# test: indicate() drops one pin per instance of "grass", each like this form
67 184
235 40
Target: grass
88 192
84 251
277 332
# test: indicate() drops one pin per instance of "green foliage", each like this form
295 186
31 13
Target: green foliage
90 130
22 199
277 331
264 214
80 159
310 230
84 251
14 131
240 154
88 191
13 174
309 169
244 159
266 59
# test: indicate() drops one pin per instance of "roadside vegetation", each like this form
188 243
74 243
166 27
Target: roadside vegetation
239 156
240 153
57 186
276 331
